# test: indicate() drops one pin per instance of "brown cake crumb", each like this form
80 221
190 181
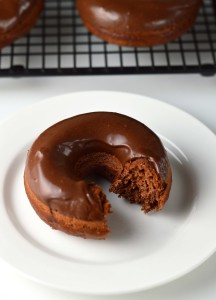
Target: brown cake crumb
140 183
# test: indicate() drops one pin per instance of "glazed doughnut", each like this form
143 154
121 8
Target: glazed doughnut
139 22
17 17
115 146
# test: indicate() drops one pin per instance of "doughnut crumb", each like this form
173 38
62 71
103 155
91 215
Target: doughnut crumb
140 183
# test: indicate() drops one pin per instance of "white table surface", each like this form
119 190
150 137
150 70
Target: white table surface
193 93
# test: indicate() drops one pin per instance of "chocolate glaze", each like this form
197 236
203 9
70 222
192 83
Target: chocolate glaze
11 11
50 164
130 20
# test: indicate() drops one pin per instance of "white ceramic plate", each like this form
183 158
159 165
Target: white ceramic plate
143 251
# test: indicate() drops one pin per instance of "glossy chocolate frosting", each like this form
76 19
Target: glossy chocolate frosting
138 15
134 20
11 11
50 167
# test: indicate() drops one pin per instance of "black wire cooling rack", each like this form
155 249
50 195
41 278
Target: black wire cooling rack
59 44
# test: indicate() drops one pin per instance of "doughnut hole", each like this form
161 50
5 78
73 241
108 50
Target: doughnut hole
99 163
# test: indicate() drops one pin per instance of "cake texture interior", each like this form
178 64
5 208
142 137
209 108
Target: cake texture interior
137 181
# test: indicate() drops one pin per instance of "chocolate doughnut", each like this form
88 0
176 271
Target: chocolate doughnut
16 18
115 146
138 22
